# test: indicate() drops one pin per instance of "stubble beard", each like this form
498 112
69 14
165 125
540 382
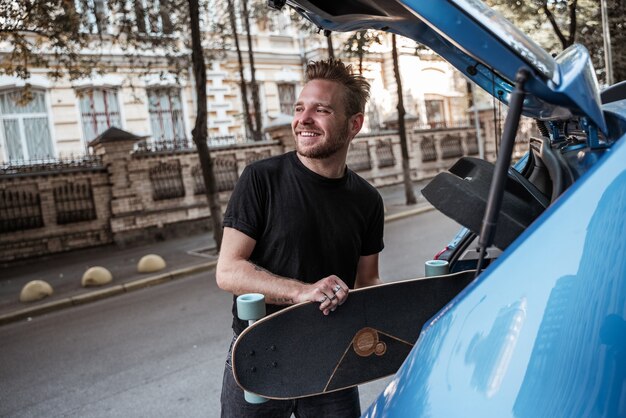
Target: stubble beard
328 148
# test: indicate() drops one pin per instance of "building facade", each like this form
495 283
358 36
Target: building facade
63 116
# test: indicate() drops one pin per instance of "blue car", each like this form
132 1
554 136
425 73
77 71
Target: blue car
541 331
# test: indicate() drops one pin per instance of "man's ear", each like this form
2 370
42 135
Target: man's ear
355 124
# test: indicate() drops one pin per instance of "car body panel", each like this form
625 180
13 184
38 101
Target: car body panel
480 43
549 342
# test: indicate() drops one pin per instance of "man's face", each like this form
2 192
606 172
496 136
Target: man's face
320 125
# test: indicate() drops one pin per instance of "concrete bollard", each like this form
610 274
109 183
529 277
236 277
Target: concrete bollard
35 290
150 263
96 276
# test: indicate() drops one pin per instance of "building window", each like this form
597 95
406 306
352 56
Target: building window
153 16
287 98
373 116
280 23
435 113
99 110
166 114
96 15
25 126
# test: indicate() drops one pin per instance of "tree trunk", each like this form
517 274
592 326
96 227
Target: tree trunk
199 132
242 84
406 170
572 23
258 123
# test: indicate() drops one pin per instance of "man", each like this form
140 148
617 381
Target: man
303 227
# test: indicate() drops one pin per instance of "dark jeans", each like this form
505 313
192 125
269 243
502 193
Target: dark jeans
340 404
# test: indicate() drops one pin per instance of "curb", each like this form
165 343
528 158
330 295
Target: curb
406 214
133 285
99 294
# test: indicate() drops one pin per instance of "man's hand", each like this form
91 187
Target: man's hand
329 292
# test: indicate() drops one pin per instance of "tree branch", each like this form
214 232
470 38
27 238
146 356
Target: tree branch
572 22
555 26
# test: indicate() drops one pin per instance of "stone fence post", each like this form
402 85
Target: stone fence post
115 147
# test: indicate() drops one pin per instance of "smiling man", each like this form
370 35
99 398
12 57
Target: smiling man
303 227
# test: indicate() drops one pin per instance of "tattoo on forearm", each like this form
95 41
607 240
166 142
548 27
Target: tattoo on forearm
282 301
259 268
278 300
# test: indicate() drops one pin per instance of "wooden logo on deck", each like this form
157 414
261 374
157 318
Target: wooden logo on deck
366 342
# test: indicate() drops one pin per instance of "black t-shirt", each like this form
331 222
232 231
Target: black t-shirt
306 226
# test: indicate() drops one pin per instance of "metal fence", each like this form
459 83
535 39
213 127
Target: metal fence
74 202
226 174
51 165
451 147
20 209
225 171
185 144
359 157
167 180
252 156
429 151
384 153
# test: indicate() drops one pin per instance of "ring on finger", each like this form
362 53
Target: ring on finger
337 289
333 297
323 299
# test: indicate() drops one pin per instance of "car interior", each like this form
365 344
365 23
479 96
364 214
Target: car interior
546 171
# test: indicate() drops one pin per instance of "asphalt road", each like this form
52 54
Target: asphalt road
157 352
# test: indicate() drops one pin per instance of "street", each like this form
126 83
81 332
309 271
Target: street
158 352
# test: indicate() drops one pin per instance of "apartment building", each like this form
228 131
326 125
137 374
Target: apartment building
63 116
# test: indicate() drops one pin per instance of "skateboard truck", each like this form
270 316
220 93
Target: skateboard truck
251 307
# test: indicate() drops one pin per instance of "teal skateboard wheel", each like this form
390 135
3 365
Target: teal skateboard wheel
252 398
435 268
251 306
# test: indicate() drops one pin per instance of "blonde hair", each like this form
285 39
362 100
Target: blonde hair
356 86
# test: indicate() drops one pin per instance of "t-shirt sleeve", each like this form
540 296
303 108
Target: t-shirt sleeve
373 240
245 207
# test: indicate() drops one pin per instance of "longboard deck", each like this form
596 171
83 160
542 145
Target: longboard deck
299 352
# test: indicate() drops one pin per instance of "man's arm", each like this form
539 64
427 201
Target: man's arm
236 274
367 271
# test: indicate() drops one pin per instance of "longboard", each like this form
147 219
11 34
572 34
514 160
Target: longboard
299 352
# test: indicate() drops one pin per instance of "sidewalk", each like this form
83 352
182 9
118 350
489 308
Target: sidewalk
183 256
